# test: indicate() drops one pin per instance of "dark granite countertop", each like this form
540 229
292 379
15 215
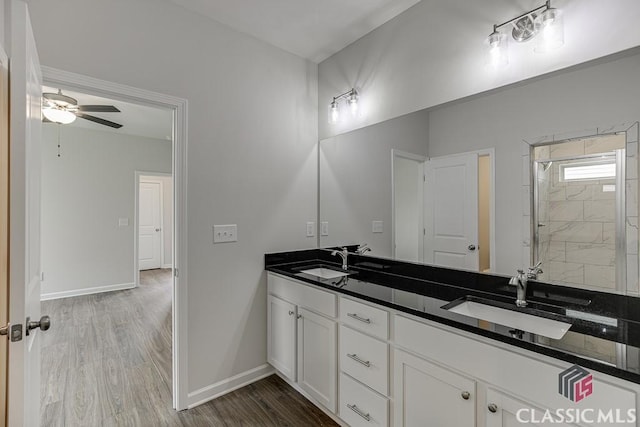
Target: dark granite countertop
605 328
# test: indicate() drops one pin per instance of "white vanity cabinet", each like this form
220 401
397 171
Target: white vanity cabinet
281 336
302 337
503 410
428 395
391 368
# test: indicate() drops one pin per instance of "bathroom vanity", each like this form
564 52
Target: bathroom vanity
389 343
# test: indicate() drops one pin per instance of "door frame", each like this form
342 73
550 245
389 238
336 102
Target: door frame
78 82
136 261
418 158
4 245
491 153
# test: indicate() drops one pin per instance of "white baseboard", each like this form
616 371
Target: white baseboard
167 266
86 291
228 385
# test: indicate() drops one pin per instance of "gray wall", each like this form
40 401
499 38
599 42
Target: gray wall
252 160
355 180
600 95
433 53
84 193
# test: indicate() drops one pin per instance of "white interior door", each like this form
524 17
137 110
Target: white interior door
24 194
451 211
149 225
408 172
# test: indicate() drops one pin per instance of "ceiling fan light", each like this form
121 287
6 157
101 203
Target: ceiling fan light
550 30
496 48
59 116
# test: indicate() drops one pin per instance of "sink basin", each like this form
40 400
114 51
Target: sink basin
514 319
324 273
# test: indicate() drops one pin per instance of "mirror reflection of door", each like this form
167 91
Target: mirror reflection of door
408 179
150 225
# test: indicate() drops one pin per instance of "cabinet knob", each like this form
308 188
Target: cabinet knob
299 316
465 395
493 408
291 313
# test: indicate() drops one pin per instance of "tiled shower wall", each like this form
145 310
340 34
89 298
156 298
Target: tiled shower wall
601 237
577 220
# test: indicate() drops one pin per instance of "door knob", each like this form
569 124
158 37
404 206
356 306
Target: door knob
472 247
493 408
44 324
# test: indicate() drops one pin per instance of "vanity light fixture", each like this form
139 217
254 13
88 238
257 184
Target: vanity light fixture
547 25
351 98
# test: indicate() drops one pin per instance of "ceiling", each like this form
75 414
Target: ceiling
137 120
311 29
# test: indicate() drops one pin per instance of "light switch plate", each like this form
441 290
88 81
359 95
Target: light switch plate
311 229
123 222
376 226
324 228
225 233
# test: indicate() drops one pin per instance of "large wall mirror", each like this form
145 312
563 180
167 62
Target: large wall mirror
494 183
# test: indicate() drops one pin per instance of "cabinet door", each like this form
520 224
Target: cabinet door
428 395
317 370
505 411
281 336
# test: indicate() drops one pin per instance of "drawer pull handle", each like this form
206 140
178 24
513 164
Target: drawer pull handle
465 395
358 411
493 408
362 319
360 361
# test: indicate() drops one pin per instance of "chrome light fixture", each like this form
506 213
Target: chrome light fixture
56 108
351 97
544 22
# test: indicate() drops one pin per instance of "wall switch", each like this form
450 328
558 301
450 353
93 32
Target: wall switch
376 226
123 222
225 233
311 229
324 228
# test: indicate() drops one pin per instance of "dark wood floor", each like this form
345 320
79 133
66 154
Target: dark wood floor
106 361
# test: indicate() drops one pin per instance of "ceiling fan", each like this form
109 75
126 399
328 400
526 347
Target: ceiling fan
59 108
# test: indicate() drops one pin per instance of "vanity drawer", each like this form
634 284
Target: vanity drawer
369 319
303 295
360 406
365 359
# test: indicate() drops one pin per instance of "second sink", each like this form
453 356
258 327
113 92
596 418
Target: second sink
514 319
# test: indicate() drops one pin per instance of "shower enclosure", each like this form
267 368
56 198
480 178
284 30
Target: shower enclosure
579 214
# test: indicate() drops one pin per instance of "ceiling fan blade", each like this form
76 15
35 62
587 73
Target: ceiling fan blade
99 120
98 109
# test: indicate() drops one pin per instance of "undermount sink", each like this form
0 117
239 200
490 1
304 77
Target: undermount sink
324 273
514 319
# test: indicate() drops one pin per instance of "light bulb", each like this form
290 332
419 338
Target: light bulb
550 29
57 115
334 112
496 46
353 103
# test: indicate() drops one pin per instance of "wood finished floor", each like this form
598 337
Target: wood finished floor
106 361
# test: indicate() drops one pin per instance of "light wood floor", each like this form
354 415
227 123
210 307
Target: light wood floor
106 361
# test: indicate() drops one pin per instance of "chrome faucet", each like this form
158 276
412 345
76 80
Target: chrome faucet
362 249
520 281
343 253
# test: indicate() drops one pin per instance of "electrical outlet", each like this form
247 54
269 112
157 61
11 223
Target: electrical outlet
311 229
225 233
376 226
324 228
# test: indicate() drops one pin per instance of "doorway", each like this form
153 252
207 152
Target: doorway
175 363
459 208
154 221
